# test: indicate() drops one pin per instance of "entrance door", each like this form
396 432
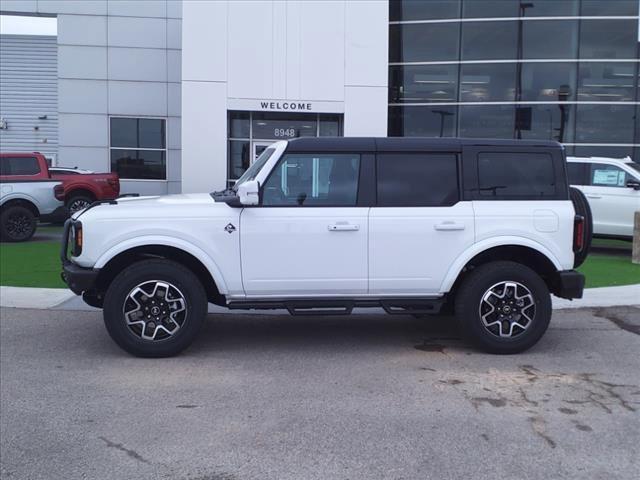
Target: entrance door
258 148
309 236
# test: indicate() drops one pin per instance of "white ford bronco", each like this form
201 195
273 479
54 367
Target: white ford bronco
484 229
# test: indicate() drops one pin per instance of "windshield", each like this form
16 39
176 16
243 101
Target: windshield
257 165
635 166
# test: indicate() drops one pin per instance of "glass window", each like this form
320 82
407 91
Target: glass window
576 173
238 126
487 121
19 166
239 158
423 9
330 126
602 151
422 121
607 82
138 133
424 42
417 180
548 81
607 39
254 169
550 39
516 175
132 141
612 123
487 82
313 180
593 8
509 8
489 40
603 175
423 83
139 164
546 122
282 126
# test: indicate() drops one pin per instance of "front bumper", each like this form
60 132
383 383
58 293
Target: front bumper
568 284
78 279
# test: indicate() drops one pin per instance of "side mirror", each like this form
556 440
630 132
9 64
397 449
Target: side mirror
633 184
249 193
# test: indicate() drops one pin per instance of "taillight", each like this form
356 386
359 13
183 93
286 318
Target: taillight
58 192
114 183
578 233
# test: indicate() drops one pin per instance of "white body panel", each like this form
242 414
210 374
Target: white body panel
612 207
38 193
411 249
309 251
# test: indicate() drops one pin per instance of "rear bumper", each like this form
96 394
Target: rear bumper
568 284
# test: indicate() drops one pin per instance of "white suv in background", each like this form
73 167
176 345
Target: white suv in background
612 187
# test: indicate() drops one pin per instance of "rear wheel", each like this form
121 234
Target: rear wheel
154 308
78 202
17 224
503 307
582 208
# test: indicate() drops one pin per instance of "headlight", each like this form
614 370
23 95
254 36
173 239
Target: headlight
75 239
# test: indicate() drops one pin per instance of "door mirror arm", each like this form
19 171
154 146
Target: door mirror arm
633 184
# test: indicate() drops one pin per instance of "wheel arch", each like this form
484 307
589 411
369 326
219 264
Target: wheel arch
530 254
80 190
111 263
22 202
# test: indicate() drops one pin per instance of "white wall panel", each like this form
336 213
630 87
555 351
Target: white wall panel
142 64
91 158
174 65
82 30
137 8
81 130
174 132
366 43
82 96
82 62
365 112
204 139
174 101
19 6
174 33
137 98
92 7
137 32
204 41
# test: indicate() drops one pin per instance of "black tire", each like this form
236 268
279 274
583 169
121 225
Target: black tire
78 202
17 224
581 206
469 306
117 299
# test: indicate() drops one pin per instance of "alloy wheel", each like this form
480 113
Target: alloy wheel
507 309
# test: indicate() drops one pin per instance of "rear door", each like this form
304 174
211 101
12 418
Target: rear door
419 225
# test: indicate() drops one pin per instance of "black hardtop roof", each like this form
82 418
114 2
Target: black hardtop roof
395 144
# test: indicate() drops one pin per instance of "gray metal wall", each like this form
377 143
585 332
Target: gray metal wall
29 92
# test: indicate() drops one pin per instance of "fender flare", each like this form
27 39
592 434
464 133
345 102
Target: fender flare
22 197
166 241
477 248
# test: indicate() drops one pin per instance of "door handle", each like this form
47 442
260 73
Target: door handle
343 227
449 226
591 195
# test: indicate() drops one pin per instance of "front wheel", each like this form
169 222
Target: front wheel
503 307
155 308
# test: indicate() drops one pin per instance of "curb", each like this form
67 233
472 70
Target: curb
63 299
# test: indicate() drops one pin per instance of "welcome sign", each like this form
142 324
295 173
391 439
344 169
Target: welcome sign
280 105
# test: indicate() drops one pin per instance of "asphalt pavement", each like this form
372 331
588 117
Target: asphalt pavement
358 397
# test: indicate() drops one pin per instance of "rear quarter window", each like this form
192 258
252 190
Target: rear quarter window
417 179
517 175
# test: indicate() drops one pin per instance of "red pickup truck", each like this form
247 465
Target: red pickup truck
81 187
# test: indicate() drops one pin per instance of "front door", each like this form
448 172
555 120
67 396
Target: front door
309 236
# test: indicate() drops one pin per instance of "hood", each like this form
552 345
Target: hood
161 206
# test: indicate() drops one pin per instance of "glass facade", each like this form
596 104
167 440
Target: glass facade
564 70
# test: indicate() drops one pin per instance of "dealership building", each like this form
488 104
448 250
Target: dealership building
181 96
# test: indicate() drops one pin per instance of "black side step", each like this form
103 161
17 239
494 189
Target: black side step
412 307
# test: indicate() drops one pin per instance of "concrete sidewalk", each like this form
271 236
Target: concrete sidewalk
63 299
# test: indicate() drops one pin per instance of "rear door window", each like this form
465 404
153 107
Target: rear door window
517 175
20 166
577 173
417 179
